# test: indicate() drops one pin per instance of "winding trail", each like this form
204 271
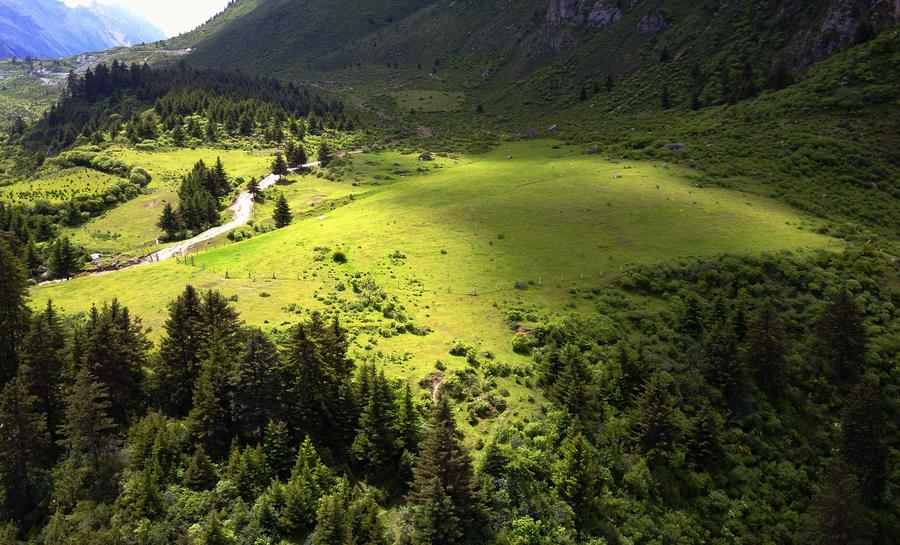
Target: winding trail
241 209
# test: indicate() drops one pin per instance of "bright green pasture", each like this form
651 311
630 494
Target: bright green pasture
450 243
59 186
428 101
130 229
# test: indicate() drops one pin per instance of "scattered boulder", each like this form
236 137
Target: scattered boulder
653 22
552 128
577 13
530 133
675 147
425 157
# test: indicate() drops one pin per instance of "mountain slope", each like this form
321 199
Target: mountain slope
49 28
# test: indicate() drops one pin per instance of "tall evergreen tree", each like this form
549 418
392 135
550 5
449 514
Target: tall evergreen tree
115 351
89 465
25 449
863 446
444 486
256 386
43 364
578 481
308 381
658 423
324 154
767 349
13 310
180 353
209 419
65 259
842 336
836 514
282 214
377 445
725 367
200 473
279 165
169 222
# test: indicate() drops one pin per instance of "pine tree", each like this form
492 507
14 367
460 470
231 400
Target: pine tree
323 154
575 389
863 446
254 190
180 352
578 481
376 444
89 466
436 520
282 215
65 259
333 524
307 381
704 440
178 135
725 368
208 419
212 133
24 449
310 478
169 222
657 421
200 473
279 165
842 337
836 514
444 486
214 532
43 363
409 422
13 310
33 261
255 386
296 155
115 351
767 349
278 450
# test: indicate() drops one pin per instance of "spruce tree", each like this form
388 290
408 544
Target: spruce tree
444 486
65 259
767 349
278 450
282 214
409 422
43 364
323 154
704 441
863 446
214 532
209 420
254 190
307 383
115 351
279 165
296 155
25 449
836 514
180 352
578 481
842 337
377 445
657 422
724 367
169 222
200 473
333 524
89 465
309 480
256 386
665 101
13 310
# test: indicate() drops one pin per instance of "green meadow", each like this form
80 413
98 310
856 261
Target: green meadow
428 101
59 187
450 246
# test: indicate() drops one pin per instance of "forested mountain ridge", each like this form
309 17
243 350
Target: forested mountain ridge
49 28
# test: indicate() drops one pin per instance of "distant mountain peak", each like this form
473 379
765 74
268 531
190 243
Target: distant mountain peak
50 28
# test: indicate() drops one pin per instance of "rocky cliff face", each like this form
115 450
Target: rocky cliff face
577 13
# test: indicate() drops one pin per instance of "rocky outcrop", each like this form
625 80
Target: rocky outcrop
604 14
579 13
653 22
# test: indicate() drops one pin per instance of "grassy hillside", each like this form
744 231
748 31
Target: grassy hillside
461 247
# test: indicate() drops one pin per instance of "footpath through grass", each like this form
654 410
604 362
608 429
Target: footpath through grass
456 246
